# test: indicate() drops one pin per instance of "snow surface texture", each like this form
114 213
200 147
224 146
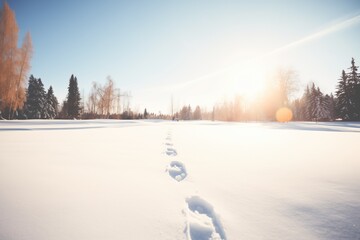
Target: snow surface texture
208 180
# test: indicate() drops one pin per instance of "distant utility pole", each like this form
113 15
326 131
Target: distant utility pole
125 102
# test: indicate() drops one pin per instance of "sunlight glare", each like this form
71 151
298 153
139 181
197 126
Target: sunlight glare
250 82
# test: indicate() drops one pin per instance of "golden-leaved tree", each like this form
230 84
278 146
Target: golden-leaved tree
14 62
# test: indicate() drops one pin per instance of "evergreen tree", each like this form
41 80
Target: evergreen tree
305 110
145 114
311 103
343 107
64 110
321 106
354 99
185 113
73 98
353 75
317 105
348 94
35 99
330 100
51 104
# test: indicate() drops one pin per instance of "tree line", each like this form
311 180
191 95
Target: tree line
314 105
32 101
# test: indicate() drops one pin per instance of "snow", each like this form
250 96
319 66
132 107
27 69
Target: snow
110 179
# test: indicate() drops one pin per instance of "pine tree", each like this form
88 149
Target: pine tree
42 96
145 114
343 106
305 105
317 105
353 75
348 94
353 83
73 98
321 106
64 110
311 102
331 102
35 106
51 104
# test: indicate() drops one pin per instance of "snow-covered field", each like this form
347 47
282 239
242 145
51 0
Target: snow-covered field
100 180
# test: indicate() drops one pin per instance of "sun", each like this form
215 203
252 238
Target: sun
250 82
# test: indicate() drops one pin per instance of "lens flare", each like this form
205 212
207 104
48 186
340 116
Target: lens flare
284 114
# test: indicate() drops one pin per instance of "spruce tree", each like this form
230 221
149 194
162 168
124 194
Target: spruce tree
145 114
353 83
311 103
63 110
42 96
317 105
348 94
51 103
35 106
321 106
306 111
343 106
31 98
73 98
331 102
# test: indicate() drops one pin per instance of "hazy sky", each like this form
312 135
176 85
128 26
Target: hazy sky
198 51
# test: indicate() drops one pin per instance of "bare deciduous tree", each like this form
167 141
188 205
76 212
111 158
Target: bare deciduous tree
8 51
14 62
108 96
92 102
23 66
102 98
287 84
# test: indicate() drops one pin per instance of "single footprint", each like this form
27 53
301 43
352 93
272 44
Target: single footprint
171 151
168 137
177 171
202 221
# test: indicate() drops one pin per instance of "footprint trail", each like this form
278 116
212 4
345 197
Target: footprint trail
202 223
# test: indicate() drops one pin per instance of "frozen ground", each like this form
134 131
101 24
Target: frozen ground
91 180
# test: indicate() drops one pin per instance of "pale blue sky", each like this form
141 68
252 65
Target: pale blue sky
156 49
